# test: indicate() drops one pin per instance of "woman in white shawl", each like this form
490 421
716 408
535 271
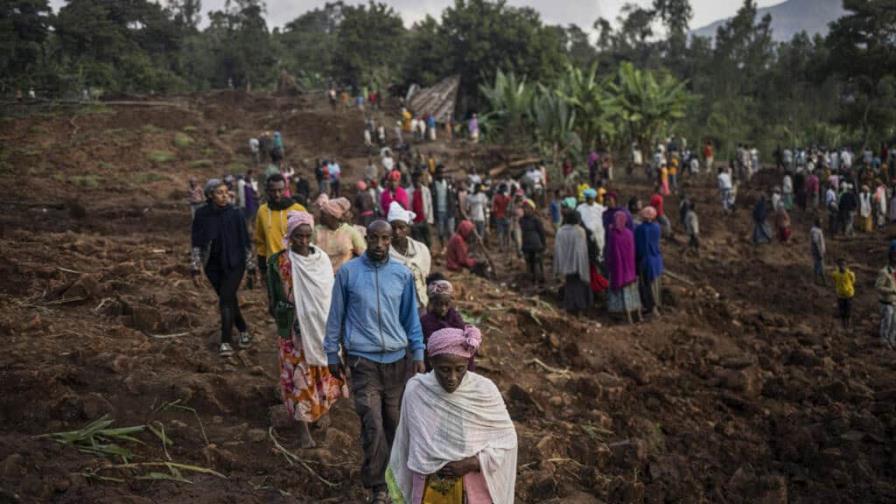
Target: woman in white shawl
300 283
413 254
455 443
571 260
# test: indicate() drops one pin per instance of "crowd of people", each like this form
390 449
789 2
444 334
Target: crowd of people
359 309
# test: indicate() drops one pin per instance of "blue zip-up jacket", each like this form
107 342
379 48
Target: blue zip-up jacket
373 312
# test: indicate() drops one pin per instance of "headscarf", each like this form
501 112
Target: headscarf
465 228
293 221
336 207
442 287
620 220
361 185
395 175
398 213
453 341
590 193
569 202
648 213
528 202
211 185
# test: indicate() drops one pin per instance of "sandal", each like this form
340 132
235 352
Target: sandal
380 497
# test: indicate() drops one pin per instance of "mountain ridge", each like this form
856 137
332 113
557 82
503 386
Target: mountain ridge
789 18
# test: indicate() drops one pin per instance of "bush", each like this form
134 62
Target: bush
182 140
201 163
160 156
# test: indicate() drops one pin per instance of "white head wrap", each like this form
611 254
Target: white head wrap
397 212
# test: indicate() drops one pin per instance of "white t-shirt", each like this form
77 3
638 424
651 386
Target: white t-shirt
592 218
476 206
725 181
253 145
388 163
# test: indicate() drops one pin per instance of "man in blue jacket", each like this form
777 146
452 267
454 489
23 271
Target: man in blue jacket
373 314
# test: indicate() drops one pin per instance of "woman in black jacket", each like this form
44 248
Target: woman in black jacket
221 247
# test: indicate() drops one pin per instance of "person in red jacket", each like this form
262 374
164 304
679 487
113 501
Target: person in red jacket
457 254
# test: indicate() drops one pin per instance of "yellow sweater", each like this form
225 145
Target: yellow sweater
270 228
844 282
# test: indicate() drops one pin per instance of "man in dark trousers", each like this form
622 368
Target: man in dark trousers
373 317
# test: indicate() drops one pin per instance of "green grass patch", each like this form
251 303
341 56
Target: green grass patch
106 165
148 177
201 163
208 152
182 140
87 181
236 168
191 129
150 128
160 156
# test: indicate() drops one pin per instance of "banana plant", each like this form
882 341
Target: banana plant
554 121
648 104
594 106
509 100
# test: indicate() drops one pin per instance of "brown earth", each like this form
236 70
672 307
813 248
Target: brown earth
744 391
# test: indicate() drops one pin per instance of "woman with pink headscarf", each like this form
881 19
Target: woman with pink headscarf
339 240
300 283
394 192
623 295
455 441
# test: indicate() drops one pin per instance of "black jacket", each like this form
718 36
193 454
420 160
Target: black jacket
533 233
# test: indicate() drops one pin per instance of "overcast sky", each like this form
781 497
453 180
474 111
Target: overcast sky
580 12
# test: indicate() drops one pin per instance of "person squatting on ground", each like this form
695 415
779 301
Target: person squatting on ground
220 246
300 283
373 318
455 443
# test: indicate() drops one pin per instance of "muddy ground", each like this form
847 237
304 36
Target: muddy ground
745 390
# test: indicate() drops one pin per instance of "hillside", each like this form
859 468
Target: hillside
744 391
790 17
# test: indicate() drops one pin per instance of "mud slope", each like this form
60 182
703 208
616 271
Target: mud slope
744 391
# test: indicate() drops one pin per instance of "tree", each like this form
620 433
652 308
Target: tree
23 29
307 43
369 45
648 103
509 101
241 45
863 54
123 46
425 63
594 107
482 36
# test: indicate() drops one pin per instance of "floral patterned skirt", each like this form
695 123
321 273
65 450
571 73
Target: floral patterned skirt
308 391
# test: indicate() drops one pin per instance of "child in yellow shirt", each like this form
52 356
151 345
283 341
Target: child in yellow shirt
845 285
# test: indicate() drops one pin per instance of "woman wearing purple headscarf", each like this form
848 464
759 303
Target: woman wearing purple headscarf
620 257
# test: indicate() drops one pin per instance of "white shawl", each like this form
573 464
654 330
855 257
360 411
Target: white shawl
437 427
419 261
312 285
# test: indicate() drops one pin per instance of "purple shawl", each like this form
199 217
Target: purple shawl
620 254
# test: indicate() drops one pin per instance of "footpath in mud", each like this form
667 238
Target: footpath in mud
745 390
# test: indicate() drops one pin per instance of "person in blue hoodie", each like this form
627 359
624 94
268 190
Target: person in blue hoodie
373 316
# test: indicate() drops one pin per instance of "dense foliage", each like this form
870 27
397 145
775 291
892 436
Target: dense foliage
641 77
